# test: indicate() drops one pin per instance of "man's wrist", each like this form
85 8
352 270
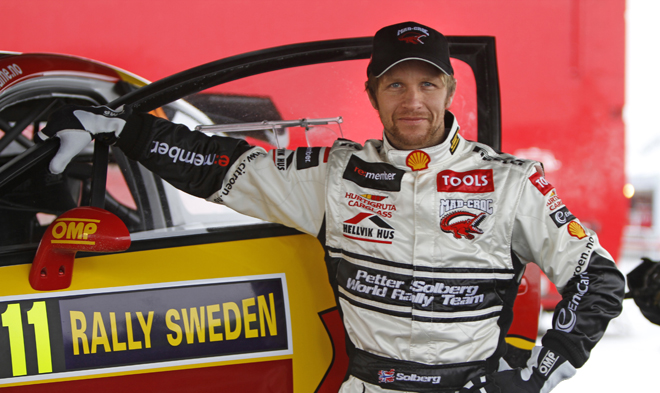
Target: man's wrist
136 135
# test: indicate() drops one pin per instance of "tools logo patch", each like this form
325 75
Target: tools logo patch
455 218
368 227
473 182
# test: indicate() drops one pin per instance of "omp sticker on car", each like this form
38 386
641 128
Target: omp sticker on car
75 333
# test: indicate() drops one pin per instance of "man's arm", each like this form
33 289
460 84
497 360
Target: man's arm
591 286
571 256
278 186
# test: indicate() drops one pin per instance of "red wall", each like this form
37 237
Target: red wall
561 63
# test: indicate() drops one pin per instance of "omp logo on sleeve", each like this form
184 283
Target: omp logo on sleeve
476 181
540 183
74 231
377 176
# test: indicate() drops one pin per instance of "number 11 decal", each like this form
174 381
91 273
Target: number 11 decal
11 319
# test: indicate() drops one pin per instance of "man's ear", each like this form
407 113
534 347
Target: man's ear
372 99
449 100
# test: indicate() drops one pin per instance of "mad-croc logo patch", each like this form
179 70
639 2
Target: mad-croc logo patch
457 216
412 35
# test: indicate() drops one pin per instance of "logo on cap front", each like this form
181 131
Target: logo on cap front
412 35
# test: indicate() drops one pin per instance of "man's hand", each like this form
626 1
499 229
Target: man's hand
76 126
545 369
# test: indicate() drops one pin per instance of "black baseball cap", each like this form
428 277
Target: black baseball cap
408 41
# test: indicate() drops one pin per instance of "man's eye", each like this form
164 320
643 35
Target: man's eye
395 85
427 84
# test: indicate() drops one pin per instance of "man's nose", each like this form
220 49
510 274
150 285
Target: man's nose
412 98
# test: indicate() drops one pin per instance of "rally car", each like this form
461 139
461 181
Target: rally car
112 279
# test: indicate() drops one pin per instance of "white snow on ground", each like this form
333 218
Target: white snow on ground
625 360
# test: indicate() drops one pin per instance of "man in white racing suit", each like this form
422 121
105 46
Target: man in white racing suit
426 234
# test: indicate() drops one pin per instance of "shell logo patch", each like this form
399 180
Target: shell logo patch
576 230
418 160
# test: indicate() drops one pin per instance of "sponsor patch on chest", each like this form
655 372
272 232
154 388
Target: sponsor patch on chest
368 227
472 182
377 204
462 217
377 176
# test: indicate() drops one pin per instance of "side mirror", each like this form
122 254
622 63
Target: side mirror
79 229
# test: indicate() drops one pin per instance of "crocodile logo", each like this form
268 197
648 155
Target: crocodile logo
462 224
413 37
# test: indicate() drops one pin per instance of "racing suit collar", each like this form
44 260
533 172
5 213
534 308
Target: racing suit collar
438 154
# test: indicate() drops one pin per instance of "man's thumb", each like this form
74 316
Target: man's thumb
72 142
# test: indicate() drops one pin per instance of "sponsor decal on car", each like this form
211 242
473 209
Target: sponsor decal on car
368 227
74 231
372 203
418 160
377 176
8 73
473 182
541 183
68 334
